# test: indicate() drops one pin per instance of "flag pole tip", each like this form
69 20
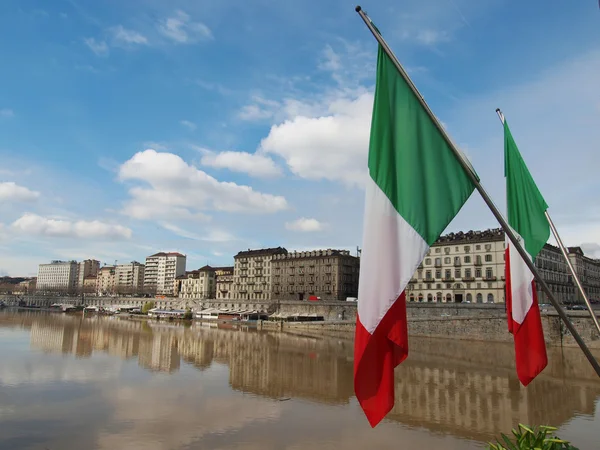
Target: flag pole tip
497 109
358 8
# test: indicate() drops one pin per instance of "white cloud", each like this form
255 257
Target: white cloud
10 191
253 164
181 29
123 36
100 48
7 112
189 125
177 189
431 37
43 226
304 225
333 146
210 236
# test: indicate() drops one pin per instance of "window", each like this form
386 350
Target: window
456 273
447 250
438 262
438 250
478 247
438 286
448 274
467 248
478 259
446 260
488 247
489 272
478 273
467 259
438 273
467 273
428 275
488 258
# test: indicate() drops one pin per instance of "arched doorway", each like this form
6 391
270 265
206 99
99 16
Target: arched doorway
438 297
411 298
479 298
429 298
469 298
420 298
448 298
490 298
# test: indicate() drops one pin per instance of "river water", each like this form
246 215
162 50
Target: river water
73 383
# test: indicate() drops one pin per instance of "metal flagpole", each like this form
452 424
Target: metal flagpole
486 198
565 255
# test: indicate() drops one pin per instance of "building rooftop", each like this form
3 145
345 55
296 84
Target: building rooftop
166 254
206 268
261 252
314 254
225 268
495 234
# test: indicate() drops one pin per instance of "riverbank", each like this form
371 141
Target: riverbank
489 328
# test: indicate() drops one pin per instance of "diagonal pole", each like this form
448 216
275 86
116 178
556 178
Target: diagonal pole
486 198
565 255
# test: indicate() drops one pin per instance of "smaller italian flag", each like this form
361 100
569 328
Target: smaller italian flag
415 187
526 216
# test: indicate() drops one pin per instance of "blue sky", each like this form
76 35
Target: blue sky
209 127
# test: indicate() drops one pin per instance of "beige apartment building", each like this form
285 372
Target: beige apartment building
87 268
252 274
58 276
469 267
161 271
325 274
224 282
106 280
129 278
588 272
197 285
461 267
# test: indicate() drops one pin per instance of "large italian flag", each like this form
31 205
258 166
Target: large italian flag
415 188
526 216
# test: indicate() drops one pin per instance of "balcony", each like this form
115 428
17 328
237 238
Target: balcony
478 263
413 280
468 278
490 278
448 279
438 264
457 263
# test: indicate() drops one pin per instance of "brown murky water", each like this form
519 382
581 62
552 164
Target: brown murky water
68 383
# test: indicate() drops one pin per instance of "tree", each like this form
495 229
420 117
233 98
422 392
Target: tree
148 306
188 314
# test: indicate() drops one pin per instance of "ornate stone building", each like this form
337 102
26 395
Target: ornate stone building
196 284
461 267
252 274
327 274
588 272
469 267
224 281
554 270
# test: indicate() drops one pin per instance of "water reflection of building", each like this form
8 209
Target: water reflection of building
470 395
467 389
158 351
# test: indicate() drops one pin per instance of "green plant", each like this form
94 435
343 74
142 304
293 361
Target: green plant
188 314
527 438
147 307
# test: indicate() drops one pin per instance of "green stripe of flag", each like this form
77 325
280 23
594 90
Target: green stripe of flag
525 204
409 158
